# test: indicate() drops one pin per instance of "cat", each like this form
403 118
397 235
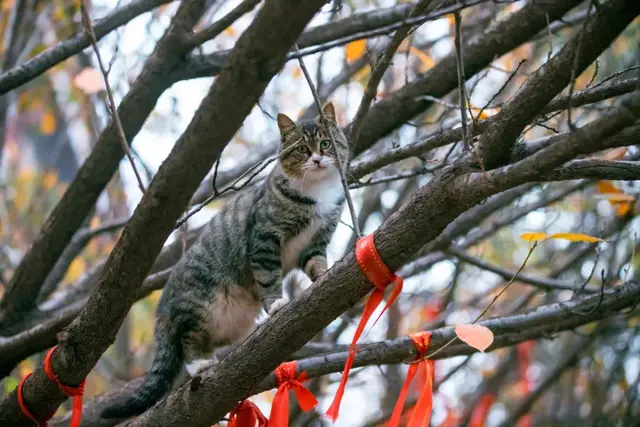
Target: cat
274 232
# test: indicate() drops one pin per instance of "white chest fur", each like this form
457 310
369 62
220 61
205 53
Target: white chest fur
325 193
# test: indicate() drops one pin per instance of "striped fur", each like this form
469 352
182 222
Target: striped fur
264 234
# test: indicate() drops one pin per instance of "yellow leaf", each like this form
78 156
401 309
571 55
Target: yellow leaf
49 179
95 222
76 268
7 5
426 61
230 31
297 72
48 123
617 197
623 209
576 237
530 237
452 20
477 336
356 49
607 187
25 367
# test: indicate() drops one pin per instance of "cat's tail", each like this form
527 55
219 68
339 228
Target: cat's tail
164 370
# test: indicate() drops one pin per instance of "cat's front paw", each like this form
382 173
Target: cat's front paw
277 305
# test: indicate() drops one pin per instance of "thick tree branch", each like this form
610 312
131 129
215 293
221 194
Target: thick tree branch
258 55
378 71
509 330
402 105
97 169
595 169
496 142
587 96
43 61
595 136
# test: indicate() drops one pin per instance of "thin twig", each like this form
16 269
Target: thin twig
223 23
86 21
379 70
341 164
461 80
258 168
575 66
535 244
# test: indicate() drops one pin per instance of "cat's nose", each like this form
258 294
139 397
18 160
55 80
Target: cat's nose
316 158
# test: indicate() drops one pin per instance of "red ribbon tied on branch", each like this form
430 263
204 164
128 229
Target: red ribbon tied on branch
422 410
286 376
380 276
74 392
247 414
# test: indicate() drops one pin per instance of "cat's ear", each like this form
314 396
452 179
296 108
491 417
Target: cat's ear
329 112
285 123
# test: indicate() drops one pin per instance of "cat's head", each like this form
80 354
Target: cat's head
306 151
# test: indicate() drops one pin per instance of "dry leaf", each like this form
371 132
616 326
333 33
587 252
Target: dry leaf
48 123
615 154
426 61
607 187
477 336
617 197
623 209
576 237
296 72
49 179
356 49
230 31
531 237
89 80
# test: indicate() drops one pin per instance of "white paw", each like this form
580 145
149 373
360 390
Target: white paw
196 366
277 305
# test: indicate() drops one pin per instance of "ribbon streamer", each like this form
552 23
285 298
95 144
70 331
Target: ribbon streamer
286 376
74 392
247 414
422 411
380 276
480 412
526 384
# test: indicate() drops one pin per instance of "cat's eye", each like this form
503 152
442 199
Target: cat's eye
303 149
325 144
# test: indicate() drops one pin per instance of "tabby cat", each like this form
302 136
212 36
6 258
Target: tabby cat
276 230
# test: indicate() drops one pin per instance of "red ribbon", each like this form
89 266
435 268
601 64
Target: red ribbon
286 376
422 410
480 412
380 276
69 391
526 384
247 414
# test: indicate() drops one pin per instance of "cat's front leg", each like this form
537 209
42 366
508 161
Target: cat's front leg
268 275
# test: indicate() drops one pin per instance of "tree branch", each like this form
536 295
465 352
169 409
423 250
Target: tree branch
97 170
546 284
508 331
258 55
43 61
496 142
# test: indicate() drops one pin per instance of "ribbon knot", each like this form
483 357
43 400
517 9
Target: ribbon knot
247 414
286 377
74 392
422 411
376 271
